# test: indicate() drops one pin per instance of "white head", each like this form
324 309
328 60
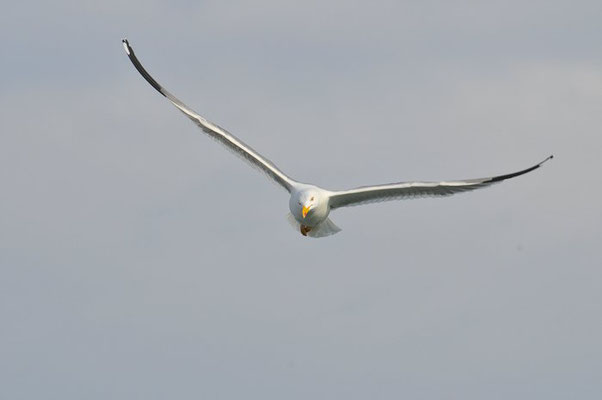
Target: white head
309 206
308 200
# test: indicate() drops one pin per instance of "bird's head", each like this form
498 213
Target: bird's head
308 201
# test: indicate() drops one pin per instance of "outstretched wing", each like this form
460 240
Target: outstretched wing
402 190
213 130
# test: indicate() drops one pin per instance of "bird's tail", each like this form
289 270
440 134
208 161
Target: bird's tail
326 228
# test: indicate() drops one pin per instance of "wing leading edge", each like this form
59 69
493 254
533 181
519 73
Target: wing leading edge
402 190
213 130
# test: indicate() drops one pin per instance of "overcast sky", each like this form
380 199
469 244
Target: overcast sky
139 259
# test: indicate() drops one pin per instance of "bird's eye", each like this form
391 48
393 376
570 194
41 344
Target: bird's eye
312 199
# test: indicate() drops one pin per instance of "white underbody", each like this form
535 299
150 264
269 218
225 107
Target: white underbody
317 217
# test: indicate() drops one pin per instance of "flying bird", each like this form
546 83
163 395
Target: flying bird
311 205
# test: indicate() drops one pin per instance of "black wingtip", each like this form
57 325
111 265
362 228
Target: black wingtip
551 156
519 173
130 53
126 46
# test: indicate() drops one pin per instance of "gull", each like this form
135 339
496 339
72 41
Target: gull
311 205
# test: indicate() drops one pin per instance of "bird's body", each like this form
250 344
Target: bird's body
310 205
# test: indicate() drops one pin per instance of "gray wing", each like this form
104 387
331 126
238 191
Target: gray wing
402 190
213 130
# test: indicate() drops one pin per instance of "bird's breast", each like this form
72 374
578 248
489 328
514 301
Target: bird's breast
315 216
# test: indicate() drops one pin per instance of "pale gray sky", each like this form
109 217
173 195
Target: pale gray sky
138 259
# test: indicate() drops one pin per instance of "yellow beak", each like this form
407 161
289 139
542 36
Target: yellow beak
305 211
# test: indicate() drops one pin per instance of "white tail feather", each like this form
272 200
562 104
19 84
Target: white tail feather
326 228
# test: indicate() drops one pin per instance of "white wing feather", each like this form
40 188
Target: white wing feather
215 131
402 190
